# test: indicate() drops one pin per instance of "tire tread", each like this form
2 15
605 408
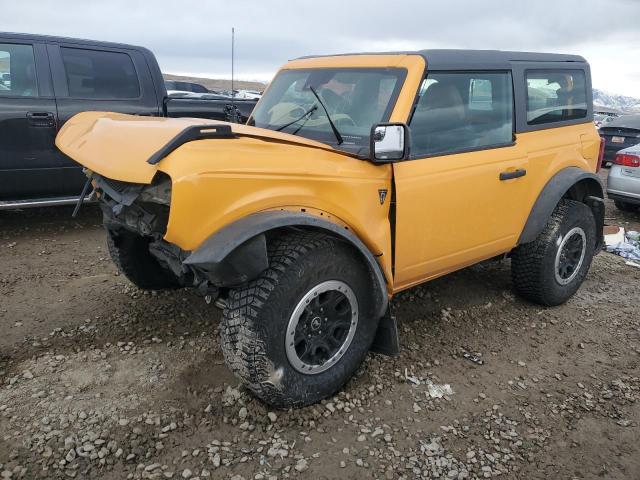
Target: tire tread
528 260
244 350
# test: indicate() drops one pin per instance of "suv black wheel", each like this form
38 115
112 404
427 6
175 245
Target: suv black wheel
549 270
130 253
625 206
297 333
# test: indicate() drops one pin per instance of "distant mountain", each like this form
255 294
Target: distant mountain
618 102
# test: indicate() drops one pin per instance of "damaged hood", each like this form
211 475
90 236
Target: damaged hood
118 146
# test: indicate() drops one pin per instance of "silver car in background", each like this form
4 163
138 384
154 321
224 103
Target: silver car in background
623 183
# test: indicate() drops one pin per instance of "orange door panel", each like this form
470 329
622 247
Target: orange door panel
453 210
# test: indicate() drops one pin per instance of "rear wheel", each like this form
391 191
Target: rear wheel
130 253
625 206
549 270
297 333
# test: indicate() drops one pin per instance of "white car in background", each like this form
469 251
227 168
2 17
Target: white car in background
249 94
623 183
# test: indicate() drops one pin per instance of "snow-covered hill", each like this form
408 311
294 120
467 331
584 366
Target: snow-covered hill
619 102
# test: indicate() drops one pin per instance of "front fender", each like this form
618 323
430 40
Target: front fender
237 253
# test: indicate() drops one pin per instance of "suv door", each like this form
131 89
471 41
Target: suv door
461 197
98 78
28 120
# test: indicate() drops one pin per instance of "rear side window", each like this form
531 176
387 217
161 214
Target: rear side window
459 111
555 96
17 71
100 74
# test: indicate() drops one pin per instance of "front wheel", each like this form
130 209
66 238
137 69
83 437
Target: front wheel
549 270
130 253
297 333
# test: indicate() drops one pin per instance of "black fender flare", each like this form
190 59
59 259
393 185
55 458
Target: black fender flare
237 252
570 182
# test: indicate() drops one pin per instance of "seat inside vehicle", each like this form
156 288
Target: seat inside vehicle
440 118
458 111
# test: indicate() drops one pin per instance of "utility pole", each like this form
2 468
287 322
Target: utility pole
234 117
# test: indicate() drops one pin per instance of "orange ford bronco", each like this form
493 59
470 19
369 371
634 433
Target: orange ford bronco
356 177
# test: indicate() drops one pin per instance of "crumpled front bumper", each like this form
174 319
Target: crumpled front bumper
144 210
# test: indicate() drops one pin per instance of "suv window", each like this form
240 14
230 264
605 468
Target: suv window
462 111
555 95
17 70
100 74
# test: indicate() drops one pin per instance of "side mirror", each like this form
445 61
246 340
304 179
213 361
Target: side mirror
389 142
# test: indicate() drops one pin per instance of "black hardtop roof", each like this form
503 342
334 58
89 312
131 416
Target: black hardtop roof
51 38
440 59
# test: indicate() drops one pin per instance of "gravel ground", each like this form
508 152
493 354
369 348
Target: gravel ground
101 380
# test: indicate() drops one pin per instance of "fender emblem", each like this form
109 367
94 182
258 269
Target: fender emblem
382 193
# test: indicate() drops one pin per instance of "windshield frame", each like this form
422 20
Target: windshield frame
401 74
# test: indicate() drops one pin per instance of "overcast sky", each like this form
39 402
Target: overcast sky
193 37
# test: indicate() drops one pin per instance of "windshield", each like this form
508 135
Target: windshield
355 99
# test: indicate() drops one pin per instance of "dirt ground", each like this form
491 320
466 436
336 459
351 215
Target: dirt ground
100 380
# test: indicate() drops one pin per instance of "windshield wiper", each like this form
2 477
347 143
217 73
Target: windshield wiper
302 124
308 112
333 126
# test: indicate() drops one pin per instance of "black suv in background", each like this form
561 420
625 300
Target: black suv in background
45 80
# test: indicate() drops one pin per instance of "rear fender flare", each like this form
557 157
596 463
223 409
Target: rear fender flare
245 239
573 183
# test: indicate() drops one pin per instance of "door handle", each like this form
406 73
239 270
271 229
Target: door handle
520 172
41 119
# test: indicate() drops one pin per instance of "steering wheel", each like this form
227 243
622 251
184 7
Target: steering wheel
342 119
285 112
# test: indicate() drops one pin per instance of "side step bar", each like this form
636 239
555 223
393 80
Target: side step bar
41 202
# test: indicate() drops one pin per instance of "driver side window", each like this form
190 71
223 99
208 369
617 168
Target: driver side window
462 111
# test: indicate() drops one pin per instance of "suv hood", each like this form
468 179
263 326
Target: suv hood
117 146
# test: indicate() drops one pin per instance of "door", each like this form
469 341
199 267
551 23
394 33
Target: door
28 121
100 79
461 197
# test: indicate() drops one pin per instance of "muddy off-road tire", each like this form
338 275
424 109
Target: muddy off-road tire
130 253
296 334
625 206
549 270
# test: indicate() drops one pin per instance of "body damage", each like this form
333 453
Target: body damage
216 182
117 145
258 170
